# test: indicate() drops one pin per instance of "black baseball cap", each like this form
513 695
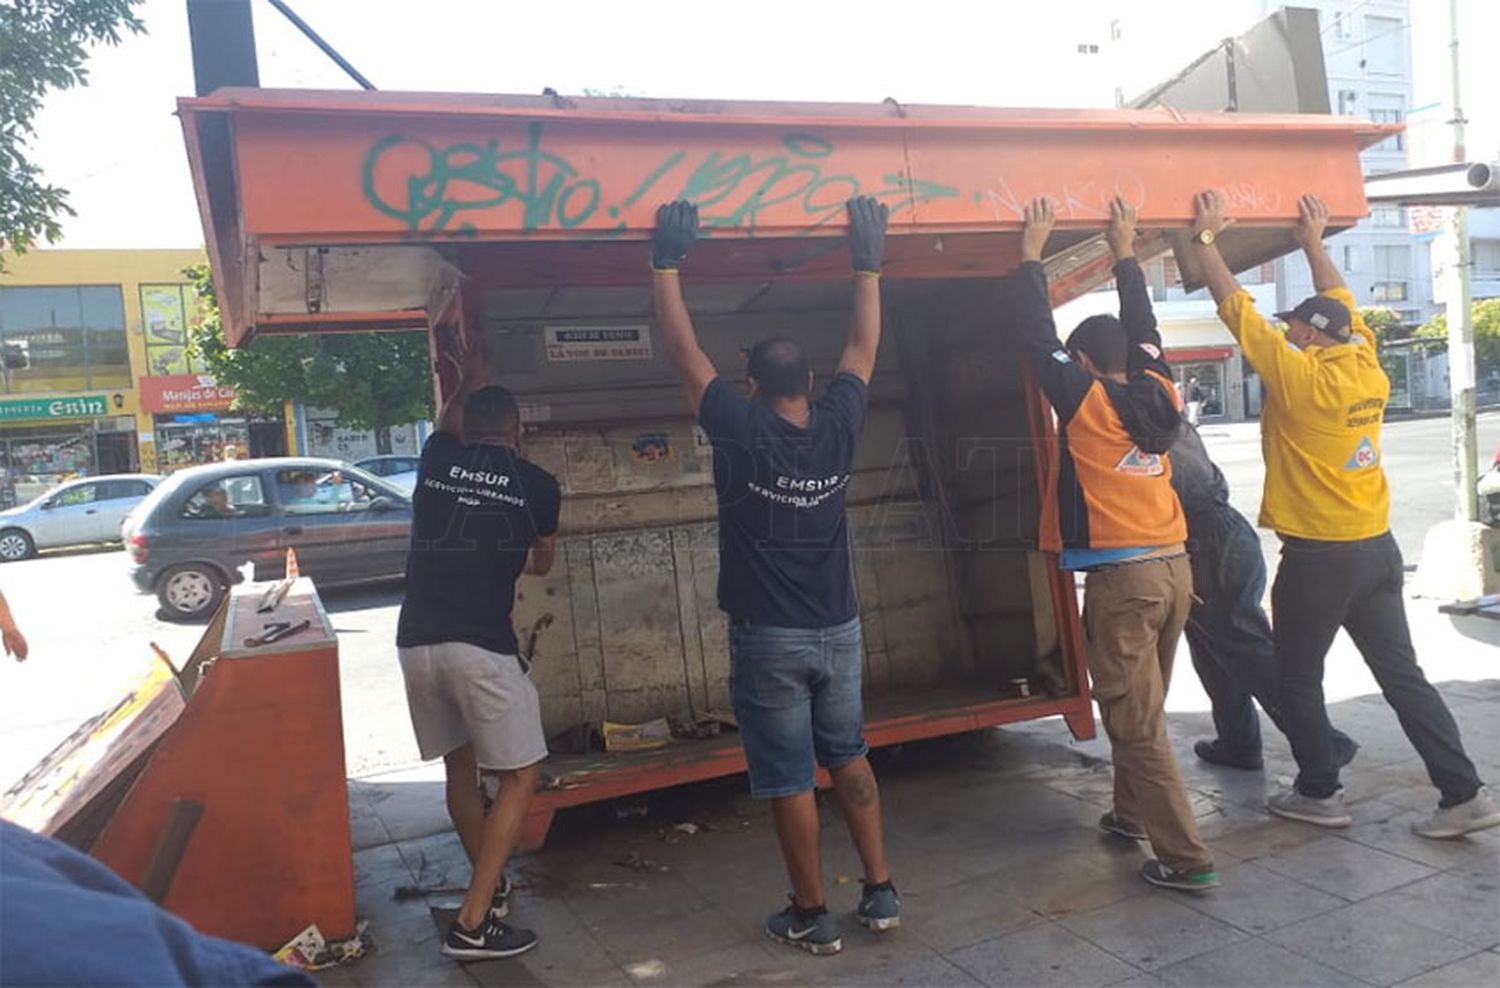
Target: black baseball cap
1327 315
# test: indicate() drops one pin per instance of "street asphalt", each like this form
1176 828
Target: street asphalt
89 631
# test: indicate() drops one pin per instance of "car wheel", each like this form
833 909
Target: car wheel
15 545
190 591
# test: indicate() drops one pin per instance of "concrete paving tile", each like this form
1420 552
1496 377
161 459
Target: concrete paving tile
1053 890
1151 979
1345 868
738 963
1457 904
1392 833
965 913
1256 900
1041 956
380 866
437 860
1251 833
1478 969
666 937
1371 941
921 972
1254 964
1152 932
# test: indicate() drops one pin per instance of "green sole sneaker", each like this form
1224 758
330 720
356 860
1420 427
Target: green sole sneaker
1159 874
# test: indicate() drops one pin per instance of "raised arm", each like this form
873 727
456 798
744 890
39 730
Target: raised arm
1285 371
867 220
1312 221
1136 314
463 369
1209 222
676 230
1059 376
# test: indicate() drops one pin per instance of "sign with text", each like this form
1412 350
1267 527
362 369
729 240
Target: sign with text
598 343
66 407
185 393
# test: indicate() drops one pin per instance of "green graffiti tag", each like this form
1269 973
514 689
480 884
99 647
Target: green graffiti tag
428 188
466 178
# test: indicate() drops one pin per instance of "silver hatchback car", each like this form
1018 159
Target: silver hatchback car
80 512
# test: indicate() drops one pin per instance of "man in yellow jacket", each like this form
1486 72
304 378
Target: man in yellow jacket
1326 497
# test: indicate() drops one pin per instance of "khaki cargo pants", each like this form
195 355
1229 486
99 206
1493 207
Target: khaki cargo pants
1134 614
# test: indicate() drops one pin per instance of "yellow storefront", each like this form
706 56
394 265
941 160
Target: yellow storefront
79 329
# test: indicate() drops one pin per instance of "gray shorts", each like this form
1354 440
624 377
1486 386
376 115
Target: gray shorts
463 694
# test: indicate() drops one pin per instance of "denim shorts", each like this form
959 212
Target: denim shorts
796 694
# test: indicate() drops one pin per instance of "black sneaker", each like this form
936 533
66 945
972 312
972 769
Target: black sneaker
813 930
500 901
1216 752
491 941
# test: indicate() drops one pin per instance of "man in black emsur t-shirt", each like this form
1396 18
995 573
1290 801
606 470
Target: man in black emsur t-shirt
782 465
483 516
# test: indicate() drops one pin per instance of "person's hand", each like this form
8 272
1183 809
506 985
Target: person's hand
1208 210
15 644
867 220
1040 218
1121 233
676 230
462 359
1312 220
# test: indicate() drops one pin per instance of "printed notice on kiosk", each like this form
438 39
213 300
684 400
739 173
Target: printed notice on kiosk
598 343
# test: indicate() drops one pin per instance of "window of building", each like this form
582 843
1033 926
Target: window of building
1388 216
1347 100
1486 257
169 313
1088 49
1385 45
1343 26
63 338
1392 272
1386 108
1351 257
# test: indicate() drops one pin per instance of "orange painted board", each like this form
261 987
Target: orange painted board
313 178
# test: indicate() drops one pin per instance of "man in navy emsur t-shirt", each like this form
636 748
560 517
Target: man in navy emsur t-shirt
782 464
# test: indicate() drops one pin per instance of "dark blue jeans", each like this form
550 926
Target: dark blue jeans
1228 633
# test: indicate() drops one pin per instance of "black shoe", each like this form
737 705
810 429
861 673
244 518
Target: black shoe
1215 752
500 901
491 941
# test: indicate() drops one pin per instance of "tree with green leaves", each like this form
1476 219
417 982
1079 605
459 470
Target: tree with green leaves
43 47
368 380
1384 323
1486 315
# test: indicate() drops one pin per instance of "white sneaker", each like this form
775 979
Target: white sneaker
1327 812
1479 813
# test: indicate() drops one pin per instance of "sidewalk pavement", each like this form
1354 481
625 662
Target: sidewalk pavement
1004 876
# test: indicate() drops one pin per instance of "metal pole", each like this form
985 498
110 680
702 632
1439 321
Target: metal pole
1459 304
317 39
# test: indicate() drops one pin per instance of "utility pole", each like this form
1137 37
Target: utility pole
1459 304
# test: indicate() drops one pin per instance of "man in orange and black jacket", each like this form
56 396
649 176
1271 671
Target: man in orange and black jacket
1111 513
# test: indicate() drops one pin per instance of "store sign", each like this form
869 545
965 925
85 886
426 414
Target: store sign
67 407
565 343
185 393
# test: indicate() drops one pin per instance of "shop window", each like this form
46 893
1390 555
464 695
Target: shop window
309 492
169 313
63 338
231 497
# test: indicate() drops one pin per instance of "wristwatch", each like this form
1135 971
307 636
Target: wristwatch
1206 237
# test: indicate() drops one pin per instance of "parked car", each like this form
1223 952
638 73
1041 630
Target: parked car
190 539
1489 493
396 469
80 512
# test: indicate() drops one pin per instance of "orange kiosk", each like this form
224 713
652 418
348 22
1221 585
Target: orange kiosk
522 221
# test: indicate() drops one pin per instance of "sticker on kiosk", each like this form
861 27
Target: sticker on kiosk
598 343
